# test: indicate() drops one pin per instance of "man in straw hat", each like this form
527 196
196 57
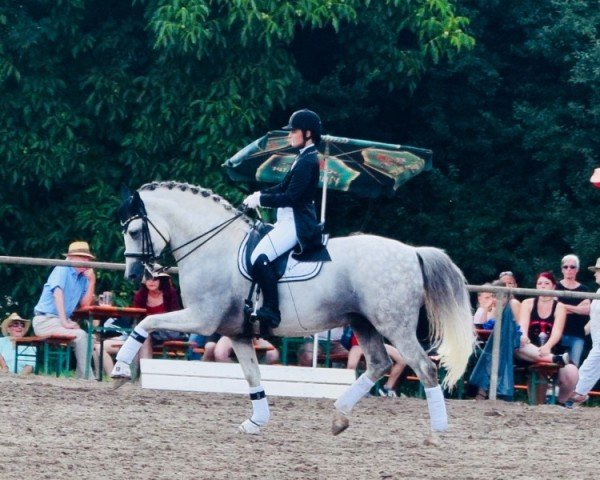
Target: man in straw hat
589 373
66 289
13 327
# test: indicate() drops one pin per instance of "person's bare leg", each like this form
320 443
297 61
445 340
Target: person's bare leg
209 352
223 350
146 348
567 380
354 356
397 367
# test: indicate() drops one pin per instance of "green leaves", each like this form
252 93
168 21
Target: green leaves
95 94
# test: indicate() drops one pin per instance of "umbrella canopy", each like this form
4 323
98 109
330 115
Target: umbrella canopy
365 168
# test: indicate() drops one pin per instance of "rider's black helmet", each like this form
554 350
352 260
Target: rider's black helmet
306 120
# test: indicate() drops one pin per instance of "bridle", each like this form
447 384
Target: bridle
147 255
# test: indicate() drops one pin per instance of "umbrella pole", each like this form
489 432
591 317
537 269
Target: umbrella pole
325 179
323 205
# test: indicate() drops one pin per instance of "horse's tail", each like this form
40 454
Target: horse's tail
449 310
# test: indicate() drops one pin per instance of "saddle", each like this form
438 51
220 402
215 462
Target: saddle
289 267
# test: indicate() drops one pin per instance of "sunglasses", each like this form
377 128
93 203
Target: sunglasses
569 267
17 324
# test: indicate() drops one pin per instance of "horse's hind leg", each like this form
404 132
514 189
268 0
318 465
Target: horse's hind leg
246 355
378 362
414 355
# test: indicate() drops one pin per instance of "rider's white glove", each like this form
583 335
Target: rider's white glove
252 201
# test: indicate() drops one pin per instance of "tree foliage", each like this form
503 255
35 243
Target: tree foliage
96 94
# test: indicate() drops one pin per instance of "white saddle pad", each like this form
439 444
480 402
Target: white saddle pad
295 271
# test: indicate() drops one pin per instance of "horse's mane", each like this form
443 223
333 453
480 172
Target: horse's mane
194 190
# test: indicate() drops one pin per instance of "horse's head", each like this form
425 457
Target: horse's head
143 241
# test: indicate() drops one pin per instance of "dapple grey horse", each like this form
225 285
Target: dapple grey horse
374 284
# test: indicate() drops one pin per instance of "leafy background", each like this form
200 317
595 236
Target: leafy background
96 94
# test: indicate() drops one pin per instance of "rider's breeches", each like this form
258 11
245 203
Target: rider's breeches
279 240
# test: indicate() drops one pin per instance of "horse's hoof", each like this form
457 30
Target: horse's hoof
432 440
249 427
119 382
340 423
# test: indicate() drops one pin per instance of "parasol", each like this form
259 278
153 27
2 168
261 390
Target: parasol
365 168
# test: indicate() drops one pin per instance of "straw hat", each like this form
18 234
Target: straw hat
595 267
595 179
81 249
156 271
11 318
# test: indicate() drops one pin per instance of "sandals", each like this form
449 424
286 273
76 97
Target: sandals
578 397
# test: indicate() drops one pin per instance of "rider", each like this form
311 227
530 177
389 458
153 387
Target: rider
297 222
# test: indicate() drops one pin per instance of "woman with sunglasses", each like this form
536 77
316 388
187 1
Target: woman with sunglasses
578 310
15 327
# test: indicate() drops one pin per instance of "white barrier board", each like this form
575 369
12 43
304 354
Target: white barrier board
278 380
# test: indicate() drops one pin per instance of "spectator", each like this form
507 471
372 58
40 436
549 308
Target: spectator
508 278
265 350
398 364
66 289
542 320
510 334
13 327
578 310
207 343
483 317
589 373
112 345
157 295
305 352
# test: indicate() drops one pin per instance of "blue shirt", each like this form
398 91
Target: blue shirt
7 350
73 285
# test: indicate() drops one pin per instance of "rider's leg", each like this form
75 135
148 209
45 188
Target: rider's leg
278 241
265 276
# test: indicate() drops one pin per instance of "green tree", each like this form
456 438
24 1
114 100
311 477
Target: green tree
96 94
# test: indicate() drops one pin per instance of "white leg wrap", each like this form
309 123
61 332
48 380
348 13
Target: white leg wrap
260 406
132 345
438 417
350 397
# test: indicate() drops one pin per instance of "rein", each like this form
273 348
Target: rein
147 253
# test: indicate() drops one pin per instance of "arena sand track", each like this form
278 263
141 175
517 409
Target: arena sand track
63 428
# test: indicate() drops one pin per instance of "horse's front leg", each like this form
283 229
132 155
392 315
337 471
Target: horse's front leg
246 355
185 320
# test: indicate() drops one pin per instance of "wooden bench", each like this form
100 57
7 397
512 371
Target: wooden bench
48 348
175 349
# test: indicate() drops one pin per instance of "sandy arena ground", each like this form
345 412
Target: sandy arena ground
63 428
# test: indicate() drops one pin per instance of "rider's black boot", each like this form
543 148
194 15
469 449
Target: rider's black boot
264 274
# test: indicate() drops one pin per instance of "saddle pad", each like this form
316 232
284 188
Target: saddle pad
295 271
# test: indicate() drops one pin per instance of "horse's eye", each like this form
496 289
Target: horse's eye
134 234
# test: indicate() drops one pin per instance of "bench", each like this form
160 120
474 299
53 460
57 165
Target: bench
175 349
49 349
